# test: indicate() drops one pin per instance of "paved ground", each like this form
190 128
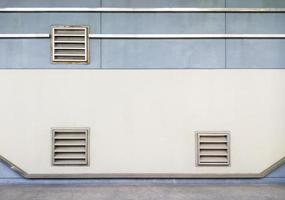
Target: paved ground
189 192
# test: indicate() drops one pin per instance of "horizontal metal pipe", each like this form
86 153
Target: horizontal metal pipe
155 36
34 35
148 10
187 36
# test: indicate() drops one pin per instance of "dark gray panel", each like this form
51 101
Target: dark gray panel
278 173
35 53
163 23
163 3
50 3
256 53
163 53
41 22
256 23
7 172
256 3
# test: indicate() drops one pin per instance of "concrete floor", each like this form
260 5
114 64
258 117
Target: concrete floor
189 192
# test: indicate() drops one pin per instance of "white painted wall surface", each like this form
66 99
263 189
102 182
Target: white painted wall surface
143 121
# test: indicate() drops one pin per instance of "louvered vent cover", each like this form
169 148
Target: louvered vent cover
213 148
70 146
70 44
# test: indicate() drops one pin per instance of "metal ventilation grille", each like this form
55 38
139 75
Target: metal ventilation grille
213 149
70 146
70 44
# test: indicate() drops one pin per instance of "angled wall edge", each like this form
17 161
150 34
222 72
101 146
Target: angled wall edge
24 174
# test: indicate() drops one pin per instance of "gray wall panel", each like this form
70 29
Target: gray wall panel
41 22
163 23
163 54
256 3
256 23
35 53
163 3
7 173
278 173
148 53
255 53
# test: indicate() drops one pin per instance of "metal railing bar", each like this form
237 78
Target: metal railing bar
33 35
187 36
145 10
154 36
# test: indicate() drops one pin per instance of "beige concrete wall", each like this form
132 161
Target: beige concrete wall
143 121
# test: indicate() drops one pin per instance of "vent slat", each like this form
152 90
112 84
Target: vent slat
63 45
70 60
214 164
67 35
70 44
213 135
211 154
70 162
213 149
213 142
69 158
213 161
70 138
71 55
211 146
67 148
69 51
69 151
70 146
69 48
70 41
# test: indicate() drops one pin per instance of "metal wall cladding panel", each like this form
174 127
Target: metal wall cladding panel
163 53
163 3
35 53
50 3
163 23
278 173
7 173
256 23
256 3
42 22
255 53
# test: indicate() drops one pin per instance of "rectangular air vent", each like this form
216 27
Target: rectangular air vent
69 44
213 148
70 146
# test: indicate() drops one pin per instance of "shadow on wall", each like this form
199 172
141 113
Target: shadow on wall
8 176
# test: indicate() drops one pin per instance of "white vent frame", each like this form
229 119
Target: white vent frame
66 148
73 50
221 152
